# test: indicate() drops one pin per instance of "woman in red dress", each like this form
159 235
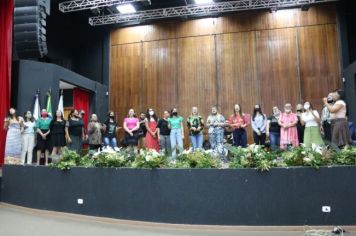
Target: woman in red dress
152 135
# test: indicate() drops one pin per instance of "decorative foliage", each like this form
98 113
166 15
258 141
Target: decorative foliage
196 159
149 159
252 157
346 156
111 158
71 159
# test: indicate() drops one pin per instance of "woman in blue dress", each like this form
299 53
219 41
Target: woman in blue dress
14 126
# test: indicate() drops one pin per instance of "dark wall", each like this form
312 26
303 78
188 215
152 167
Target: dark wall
33 76
347 26
283 196
350 90
350 12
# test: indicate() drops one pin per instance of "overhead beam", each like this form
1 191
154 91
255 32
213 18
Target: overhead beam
79 5
199 10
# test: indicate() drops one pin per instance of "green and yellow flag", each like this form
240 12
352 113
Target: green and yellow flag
49 104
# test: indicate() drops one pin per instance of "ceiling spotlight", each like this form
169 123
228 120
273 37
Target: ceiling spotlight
203 1
126 8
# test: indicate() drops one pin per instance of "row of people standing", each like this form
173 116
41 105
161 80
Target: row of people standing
283 129
45 133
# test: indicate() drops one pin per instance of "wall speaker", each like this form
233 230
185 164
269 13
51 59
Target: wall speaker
30 28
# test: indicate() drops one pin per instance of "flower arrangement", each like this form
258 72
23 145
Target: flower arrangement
149 159
196 159
253 156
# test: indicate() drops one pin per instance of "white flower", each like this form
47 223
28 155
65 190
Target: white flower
209 151
306 159
317 148
186 151
108 150
148 158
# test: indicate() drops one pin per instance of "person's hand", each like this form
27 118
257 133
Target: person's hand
325 100
267 133
259 133
182 136
193 129
321 129
131 134
69 140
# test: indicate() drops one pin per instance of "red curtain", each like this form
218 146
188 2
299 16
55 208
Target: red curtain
6 14
81 102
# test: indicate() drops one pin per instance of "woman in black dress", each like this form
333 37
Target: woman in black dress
74 131
57 128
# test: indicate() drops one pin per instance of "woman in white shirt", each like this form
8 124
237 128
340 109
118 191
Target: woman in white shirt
28 138
311 120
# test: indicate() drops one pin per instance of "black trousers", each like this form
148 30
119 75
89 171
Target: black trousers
259 139
327 130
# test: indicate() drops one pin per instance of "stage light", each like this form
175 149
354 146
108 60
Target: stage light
204 1
126 8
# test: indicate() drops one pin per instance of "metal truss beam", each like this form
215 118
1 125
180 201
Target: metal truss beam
199 10
79 5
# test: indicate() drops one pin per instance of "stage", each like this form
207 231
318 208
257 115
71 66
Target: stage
282 196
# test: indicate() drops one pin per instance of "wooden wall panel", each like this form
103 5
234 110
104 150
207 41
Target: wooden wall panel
196 75
319 62
237 71
160 75
277 68
125 79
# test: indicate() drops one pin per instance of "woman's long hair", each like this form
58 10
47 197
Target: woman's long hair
70 115
240 111
62 116
149 116
108 116
260 111
26 119
9 116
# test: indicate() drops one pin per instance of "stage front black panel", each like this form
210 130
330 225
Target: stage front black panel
282 196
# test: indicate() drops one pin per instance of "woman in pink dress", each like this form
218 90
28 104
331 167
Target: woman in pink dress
288 122
152 140
131 126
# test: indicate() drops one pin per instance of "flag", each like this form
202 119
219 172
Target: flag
36 107
60 103
49 104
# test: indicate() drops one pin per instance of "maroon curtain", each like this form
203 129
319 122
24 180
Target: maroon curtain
6 14
81 102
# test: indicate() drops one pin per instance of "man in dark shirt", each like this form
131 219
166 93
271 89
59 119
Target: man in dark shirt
164 133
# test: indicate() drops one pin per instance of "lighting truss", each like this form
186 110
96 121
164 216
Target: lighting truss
199 10
79 5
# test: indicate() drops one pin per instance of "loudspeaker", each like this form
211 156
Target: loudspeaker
30 28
